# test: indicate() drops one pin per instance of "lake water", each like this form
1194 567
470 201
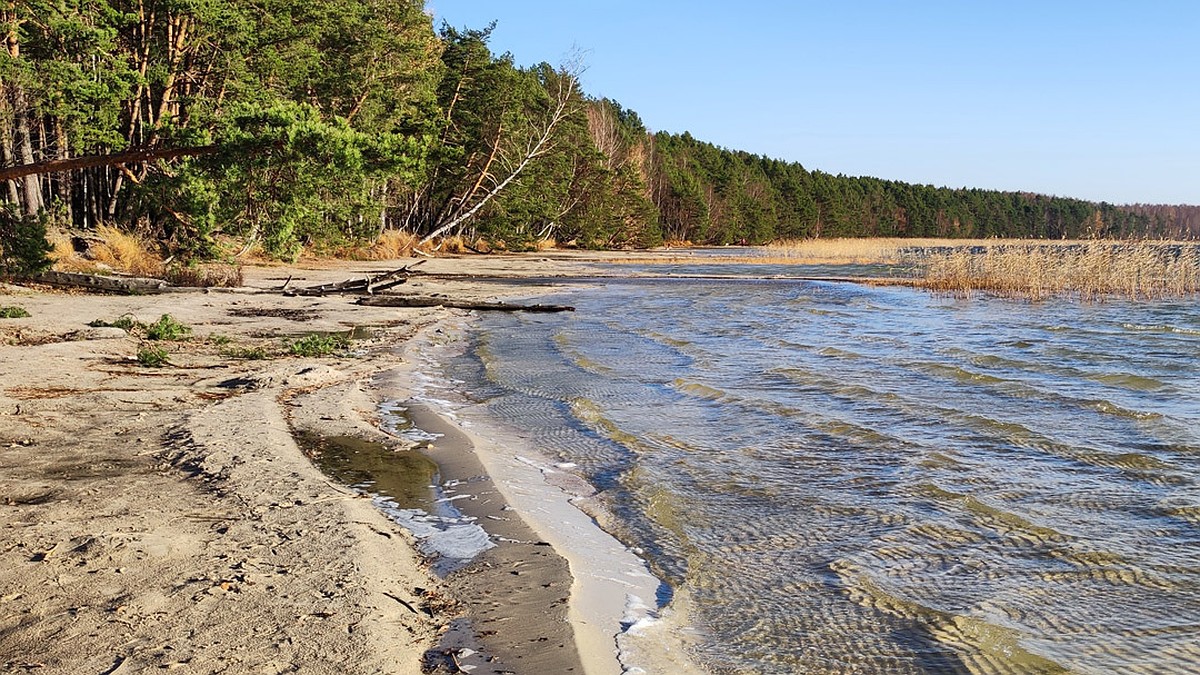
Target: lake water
843 478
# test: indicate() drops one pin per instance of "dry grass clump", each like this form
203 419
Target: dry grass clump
547 244
209 275
1088 270
452 245
395 244
125 252
109 249
391 245
112 250
63 253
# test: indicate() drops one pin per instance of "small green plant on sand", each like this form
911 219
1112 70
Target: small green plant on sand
125 322
316 344
248 353
167 328
219 340
152 356
13 313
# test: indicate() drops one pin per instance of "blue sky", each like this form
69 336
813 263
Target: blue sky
1098 100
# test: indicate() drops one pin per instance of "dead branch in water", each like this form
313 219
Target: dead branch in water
439 301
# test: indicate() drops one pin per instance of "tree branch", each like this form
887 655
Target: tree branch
114 159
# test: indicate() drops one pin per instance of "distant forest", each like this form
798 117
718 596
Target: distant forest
288 124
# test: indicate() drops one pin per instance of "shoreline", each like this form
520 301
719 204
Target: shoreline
618 624
172 512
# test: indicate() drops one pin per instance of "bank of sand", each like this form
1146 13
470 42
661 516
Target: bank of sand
166 518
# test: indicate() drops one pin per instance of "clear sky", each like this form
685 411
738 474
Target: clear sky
1098 100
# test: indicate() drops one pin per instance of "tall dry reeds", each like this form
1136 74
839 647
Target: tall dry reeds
1087 269
842 251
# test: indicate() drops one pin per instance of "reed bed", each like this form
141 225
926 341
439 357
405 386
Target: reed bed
1031 269
1089 270
862 251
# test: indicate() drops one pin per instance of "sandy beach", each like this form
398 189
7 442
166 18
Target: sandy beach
166 517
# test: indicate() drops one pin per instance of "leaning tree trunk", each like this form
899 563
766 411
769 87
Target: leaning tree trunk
537 147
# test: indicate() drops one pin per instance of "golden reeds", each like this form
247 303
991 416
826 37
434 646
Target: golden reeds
1089 270
842 251
1033 269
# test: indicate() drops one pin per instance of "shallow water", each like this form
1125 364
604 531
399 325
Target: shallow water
855 479
406 486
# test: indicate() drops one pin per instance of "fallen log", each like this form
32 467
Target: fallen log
367 284
99 282
438 301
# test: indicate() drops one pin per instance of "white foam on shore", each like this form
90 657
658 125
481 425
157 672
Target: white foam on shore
450 539
394 421
618 629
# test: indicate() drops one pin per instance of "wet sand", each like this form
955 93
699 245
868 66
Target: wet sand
166 517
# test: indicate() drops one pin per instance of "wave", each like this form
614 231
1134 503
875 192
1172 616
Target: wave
1129 381
1160 328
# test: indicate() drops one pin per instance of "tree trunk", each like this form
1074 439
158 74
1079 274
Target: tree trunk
33 169
64 187
6 147
29 186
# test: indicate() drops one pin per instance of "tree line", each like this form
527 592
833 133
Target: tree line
283 124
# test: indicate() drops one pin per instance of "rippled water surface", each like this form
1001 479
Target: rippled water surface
856 479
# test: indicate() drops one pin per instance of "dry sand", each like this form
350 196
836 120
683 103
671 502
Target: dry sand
166 518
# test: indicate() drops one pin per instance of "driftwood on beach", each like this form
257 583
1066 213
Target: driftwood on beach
370 285
440 301
367 284
99 282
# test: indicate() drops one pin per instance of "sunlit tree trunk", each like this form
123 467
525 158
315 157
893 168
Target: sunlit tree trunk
12 193
29 187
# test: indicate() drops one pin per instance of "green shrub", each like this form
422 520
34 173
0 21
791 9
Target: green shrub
151 356
167 328
13 313
23 246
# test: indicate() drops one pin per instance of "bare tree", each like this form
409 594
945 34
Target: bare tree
602 126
